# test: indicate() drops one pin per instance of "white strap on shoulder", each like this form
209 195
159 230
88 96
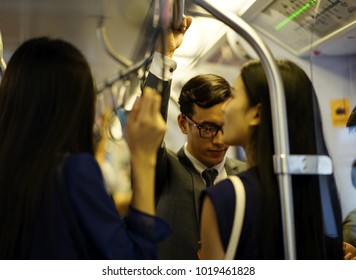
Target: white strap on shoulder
238 217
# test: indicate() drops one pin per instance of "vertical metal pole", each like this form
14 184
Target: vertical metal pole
280 129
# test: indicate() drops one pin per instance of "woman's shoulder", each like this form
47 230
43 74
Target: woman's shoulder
249 177
80 160
82 165
224 190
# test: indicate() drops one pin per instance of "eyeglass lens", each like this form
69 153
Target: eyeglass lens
208 131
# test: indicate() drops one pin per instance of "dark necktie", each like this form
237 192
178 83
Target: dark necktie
209 176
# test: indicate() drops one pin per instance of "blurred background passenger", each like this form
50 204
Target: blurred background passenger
53 202
349 224
248 122
351 122
349 228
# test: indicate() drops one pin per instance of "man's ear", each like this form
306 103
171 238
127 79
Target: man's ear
182 123
255 112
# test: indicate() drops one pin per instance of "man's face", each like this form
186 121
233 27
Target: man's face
209 151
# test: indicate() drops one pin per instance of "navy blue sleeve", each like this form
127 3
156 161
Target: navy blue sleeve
134 237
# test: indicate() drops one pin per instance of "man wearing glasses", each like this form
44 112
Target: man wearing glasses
181 177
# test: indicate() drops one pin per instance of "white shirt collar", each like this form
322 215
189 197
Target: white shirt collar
200 167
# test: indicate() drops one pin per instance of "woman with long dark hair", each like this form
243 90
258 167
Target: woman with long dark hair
248 123
53 203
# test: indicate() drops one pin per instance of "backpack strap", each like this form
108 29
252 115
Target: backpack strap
238 217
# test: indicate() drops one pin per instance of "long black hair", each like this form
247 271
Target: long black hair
306 138
47 109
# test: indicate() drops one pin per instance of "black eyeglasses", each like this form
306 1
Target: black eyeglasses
206 130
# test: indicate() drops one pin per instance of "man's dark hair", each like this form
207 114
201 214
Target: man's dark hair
204 90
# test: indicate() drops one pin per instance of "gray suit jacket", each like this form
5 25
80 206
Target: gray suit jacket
349 228
179 187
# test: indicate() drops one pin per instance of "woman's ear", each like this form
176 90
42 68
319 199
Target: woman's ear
255 112
182 123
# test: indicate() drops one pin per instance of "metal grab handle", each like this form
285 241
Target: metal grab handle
107 47
177 14
2 61
278 107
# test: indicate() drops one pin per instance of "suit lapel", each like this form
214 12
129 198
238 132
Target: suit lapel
198 184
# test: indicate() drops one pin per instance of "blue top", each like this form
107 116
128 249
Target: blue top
223 199
104 233
252 234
